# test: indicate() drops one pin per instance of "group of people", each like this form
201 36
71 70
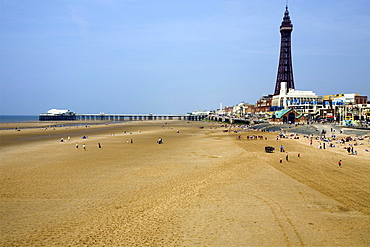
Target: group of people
84 146
160 141
287 157
349 149
334 141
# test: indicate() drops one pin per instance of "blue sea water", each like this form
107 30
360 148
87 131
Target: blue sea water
18 118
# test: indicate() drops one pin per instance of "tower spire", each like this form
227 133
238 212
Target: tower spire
285 69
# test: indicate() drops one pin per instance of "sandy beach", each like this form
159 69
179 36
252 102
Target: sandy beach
201 187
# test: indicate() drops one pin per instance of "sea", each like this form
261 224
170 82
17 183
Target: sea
18 118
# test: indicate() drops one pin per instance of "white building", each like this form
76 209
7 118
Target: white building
301 101
59 112
197 112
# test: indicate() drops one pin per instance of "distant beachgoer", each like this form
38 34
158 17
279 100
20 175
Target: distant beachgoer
281 160
99 145
76 145
287 157
69 138
281 148
323 145
84 146
132 141
177 131
299 155
339 163
310 142
160 141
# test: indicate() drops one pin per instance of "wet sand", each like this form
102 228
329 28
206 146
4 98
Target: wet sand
201 187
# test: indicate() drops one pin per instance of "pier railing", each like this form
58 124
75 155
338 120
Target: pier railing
137 117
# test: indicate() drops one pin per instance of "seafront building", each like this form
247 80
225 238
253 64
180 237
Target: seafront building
288 116
346 107
302 101
350 108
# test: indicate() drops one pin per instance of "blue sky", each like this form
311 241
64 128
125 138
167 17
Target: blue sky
161 56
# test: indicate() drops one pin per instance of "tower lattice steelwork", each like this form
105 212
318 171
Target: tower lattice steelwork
285 69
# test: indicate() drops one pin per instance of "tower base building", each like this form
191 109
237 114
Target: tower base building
302 101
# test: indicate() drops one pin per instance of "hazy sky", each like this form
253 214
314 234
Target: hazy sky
162 56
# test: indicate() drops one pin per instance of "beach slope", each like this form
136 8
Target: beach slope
201 187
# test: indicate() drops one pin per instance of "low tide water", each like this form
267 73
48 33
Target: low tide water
18 118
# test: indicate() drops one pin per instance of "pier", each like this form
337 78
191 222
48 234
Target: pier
137 117
67 115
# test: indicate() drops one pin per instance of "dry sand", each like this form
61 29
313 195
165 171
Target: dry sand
202 187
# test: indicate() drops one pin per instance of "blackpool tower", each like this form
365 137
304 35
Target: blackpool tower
285 69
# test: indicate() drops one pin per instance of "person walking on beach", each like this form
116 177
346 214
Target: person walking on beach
99 145
339 163
287 157
76 145
84 147
281 148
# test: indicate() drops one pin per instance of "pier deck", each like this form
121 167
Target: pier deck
138 117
